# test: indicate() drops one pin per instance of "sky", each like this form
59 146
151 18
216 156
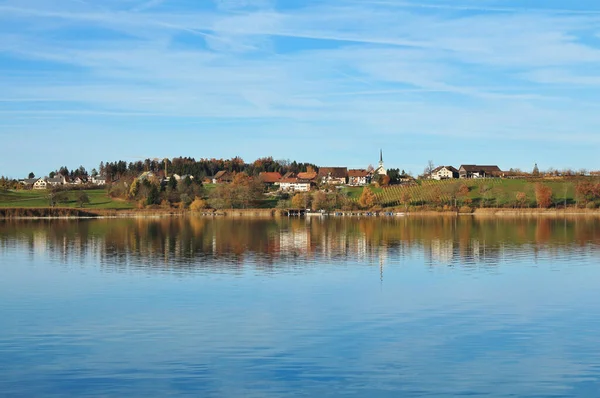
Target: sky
511 83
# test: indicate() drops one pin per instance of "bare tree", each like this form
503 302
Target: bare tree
429 168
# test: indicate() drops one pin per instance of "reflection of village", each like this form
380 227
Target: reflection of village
186 244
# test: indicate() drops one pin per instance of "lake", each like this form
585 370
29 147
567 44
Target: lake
377 307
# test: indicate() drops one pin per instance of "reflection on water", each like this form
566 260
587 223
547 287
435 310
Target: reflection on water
319 307
187 244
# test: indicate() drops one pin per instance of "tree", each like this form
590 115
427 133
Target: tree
536 171
521 198
52 174
172 185
134 189
31 175
543 195
153 197
367 198
429 168
82 198
319 200
463 192
394 175
300 201
198 204
405 198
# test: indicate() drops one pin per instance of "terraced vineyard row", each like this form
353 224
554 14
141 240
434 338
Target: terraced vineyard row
429 191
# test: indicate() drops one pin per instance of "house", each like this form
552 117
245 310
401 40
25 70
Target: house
56 181
478 171
78 181
359 177
269 178
444 173
222 177
294 185
29 182
40 184
333 175
98 180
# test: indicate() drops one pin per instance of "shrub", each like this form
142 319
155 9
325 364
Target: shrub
198 205
591 205
466 209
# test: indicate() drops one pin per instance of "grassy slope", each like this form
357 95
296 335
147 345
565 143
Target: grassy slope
502 191
23 199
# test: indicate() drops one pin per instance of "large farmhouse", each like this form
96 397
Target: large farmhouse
477 171
333 175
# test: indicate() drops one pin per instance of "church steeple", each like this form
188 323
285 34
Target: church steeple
381 169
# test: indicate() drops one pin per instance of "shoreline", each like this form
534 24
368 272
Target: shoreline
48 213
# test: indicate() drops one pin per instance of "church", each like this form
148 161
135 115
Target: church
381 169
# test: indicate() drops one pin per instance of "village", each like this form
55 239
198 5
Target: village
288 182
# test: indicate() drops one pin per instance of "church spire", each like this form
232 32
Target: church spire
381 156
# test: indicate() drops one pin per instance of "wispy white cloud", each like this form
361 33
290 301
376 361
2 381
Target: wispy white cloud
347 67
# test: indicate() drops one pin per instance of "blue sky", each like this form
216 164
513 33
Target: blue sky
330 82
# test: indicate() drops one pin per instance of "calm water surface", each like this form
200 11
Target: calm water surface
237 308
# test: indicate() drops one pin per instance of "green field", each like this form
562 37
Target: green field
355 192
34 198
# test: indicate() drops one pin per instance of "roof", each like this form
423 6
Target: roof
452 169
358 173
333 172
307 176
269 177
294 181
473 168
30 181
221 174
289 174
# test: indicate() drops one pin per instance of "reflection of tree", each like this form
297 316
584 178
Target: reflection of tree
186 243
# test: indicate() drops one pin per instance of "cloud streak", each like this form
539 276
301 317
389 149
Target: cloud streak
403 70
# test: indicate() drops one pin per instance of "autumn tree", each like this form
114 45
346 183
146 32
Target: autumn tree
198 205
587 191
463 192
543 195
319 200
367 198
300 201
405 198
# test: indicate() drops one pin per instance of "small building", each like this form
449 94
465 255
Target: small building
222 177
444 173
40 184
270 178
478 171
333 175
78 181
294 185
29 182
381 170
98 180
56 180
359 177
